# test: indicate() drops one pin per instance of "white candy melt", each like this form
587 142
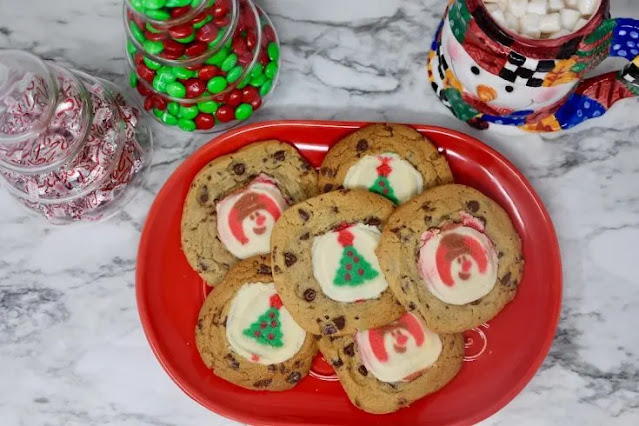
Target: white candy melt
499 16
512 21
530 25
580 24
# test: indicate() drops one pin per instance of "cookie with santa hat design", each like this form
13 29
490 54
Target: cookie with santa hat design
235 200
324 263
246 335
453 257
389 367
392 160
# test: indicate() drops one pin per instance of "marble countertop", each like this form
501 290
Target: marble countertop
72 351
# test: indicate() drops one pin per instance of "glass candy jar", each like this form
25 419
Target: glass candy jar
72 147
215 89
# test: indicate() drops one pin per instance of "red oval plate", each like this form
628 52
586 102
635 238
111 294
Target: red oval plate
501 356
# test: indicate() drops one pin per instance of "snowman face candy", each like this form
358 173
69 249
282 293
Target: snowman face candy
400 351
488 88
458 262
246 217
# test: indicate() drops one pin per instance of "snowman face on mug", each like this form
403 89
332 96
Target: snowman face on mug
491 89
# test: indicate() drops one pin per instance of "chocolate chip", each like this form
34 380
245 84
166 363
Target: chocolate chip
309 294
224 322
362 370
445 218
283 369
349 349
412 306
199 324
500 255
203 266
277 269
297 364
303 214
239 168
337 362
318 337
505 280
373 221
294 377
426 207
324 171
233 363
389 129
326 317
264 269
279 155
272 368
305 236
362 145
203 196
340 322
483 220
305 165
428 219
402 402
328 187
289 259
335 209
330 329
475 303
264 383
472 206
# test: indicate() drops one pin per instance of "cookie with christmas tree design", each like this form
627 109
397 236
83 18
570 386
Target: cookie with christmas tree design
392 160
324 263
452 256
246 335
234 201
389 367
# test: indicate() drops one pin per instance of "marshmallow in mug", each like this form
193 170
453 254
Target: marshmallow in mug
542 19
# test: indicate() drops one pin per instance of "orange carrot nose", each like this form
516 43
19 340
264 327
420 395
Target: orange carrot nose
486 93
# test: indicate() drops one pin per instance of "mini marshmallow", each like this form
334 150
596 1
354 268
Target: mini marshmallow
530 25
572 3
569 18
562 32
518 7
498 16
556 5
492 7
580 24
550 23
587 7
539 7
512 21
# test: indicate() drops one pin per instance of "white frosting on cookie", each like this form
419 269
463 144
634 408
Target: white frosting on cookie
404 180
259 328
345 265
400 351
458 265
246 217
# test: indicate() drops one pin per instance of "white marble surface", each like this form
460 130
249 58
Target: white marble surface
72 351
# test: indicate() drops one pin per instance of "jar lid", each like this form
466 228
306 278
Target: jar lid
28 95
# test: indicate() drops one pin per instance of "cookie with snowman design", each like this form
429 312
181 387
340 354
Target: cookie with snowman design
389 367
234 201
247 336
392 160
452 256
324 263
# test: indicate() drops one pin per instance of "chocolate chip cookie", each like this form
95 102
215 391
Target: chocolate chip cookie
452 256
389 367
324 263
247 336
234 201
392 160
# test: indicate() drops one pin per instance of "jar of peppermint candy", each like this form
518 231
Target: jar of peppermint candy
201 66
72 147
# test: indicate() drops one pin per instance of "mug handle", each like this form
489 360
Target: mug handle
594 96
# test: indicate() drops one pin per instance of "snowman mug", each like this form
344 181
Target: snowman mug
487 75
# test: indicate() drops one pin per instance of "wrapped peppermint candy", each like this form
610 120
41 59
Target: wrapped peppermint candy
77 159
